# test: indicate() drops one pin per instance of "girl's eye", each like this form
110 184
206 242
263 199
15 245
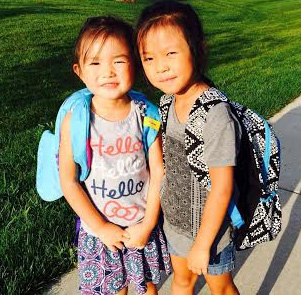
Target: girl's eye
119 62
171 53
146 59
94 63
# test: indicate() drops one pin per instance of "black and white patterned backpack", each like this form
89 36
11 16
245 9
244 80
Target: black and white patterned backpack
257 176
257 213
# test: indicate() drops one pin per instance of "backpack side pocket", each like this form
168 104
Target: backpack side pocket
47 177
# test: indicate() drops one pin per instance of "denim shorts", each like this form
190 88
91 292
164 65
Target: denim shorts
221 263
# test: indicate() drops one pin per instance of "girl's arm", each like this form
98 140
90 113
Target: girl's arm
156 175
214 213
140 232
110 234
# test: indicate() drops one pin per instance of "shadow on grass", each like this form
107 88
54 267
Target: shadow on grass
35 91
41 8
240 47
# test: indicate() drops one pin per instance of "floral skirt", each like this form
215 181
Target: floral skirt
107 272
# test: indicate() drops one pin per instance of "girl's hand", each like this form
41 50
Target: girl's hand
139 236
198 260
113 236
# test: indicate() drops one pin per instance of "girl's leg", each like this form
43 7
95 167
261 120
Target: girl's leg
221 284
151 289
183 279
124 291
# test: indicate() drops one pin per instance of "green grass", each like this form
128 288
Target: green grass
254 50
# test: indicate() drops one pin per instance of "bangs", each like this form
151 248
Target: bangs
88 38
171 20
96 30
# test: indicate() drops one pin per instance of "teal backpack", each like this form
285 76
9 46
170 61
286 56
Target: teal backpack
47 177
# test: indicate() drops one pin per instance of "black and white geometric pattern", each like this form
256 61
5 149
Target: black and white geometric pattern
264 216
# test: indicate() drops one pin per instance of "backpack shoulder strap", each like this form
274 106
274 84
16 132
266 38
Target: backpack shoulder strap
194 136
150 116
80 134
165 103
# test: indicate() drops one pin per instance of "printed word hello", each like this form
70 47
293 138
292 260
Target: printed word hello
121 146
123 190
121 168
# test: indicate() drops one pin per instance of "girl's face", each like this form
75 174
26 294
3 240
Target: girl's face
107 70
167 60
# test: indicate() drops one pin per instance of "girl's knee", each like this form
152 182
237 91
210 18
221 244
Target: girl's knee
151 289
185 281
225 290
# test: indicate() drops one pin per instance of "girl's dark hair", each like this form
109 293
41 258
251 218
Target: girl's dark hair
183 16
104 27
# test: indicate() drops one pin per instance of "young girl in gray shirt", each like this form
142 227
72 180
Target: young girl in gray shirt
200 146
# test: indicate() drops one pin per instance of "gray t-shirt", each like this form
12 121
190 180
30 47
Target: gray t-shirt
183 198
118 180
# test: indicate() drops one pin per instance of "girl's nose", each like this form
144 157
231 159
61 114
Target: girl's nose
107 71
162 67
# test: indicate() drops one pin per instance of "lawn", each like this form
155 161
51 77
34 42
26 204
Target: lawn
254 48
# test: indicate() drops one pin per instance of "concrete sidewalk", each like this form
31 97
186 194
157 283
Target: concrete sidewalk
271 268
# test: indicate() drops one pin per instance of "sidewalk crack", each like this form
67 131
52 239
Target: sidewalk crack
291 191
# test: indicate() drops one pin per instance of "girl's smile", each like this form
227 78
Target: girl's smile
168 79
110 85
